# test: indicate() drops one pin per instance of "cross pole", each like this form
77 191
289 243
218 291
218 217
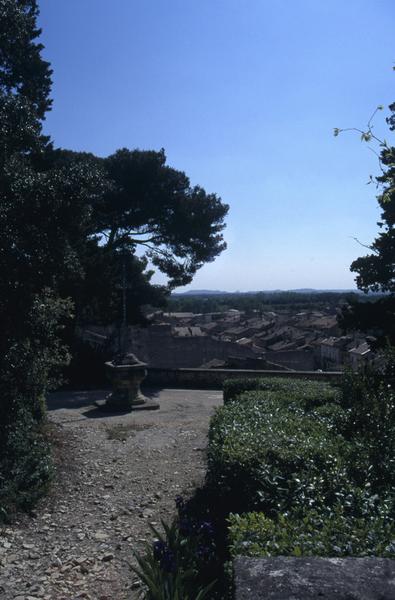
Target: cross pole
124 287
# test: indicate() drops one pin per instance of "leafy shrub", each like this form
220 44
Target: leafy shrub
265 453
232 388
25 464
319 533
305 392
28 368
340 448
368 403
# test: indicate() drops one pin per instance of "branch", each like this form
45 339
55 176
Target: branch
370 126
366 135
364 245
144 232
143 242
111 237
378 158
157 250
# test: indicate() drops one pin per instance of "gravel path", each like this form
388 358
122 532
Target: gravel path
116 474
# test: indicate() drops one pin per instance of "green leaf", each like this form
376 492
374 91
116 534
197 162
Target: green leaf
297 551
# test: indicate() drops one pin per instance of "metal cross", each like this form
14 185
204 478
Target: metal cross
124 287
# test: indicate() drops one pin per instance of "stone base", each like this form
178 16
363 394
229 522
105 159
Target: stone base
145 404
313 578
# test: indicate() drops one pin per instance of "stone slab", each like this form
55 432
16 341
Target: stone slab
313 578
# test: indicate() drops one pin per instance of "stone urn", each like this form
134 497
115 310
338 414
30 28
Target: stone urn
126 373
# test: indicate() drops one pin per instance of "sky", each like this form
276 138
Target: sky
243 95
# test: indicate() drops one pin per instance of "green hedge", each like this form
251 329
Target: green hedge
317 534
311 466
265 453
26 467
307 392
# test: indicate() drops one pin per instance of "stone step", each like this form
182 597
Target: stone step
313 578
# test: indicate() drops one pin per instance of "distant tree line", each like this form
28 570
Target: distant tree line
260 301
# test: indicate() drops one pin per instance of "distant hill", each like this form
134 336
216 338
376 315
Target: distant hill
295 291
203 293
313 291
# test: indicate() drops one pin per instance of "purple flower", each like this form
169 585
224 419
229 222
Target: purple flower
159 548
185 526
164 556
180 502
207 529
203 552
168 562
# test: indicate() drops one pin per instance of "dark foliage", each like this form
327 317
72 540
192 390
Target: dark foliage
308 393
25 465
265 454
29 311
375 318
25 79
23 71
294 468
150 214
376 270
154 206
318 477
70 225
43 215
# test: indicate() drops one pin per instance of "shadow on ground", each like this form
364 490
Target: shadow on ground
86 399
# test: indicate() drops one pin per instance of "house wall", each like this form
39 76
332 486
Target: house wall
171 352
300 360
156 346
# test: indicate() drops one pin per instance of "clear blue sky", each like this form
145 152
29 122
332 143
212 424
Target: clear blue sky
243 95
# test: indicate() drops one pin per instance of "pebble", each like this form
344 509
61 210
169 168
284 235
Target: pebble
108 557
101 536
88 523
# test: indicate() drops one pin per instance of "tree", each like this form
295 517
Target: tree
148 215
376 270
24 73
43 218
97 295
69 224
24 88
25 79
151 205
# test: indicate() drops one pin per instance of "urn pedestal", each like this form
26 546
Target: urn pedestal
126 373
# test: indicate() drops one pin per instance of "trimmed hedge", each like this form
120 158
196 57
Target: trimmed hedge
317 534
265 453
309 393
26 467
312 467
303 462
